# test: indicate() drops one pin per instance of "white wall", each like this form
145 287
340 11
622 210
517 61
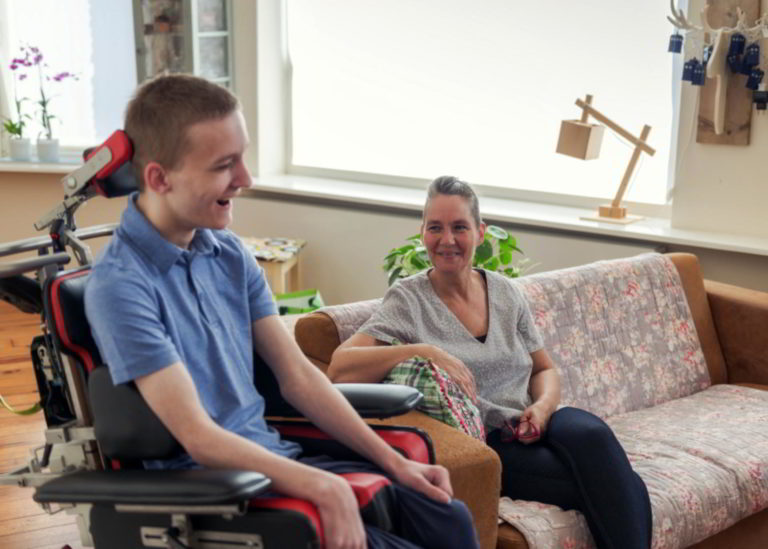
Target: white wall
346 245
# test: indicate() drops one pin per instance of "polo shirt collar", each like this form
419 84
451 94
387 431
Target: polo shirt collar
158 250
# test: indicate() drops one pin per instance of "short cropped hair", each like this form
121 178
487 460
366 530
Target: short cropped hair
450 185
161 111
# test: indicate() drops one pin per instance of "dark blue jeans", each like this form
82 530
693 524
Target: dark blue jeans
579 464
421 522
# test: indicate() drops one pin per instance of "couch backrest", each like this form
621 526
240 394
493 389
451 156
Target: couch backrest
620 331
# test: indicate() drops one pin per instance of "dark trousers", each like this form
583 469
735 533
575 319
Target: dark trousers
579 464
421 522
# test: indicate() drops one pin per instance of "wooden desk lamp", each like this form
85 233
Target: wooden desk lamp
580 139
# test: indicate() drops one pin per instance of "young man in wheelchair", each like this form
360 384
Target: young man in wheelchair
177 305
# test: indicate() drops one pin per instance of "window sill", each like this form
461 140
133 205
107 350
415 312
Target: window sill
501 210
64 166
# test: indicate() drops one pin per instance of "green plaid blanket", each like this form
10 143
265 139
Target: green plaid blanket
443 399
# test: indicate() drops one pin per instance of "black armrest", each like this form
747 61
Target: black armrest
138 487
379 401
372 400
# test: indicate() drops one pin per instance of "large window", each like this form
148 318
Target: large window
93 40
421 88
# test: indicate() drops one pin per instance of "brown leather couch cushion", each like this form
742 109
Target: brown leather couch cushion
317 337
741 316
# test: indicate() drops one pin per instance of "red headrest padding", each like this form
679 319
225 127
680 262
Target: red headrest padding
119 144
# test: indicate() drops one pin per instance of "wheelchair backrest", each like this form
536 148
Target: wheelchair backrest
124 425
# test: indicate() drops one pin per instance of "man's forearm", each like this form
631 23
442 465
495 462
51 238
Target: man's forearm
310 391
216 447
329 410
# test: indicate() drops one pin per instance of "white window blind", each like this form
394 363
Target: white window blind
421 88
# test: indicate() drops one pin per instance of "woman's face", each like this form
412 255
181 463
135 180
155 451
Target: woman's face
450 233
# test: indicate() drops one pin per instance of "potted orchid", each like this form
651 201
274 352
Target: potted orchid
21 148
47 145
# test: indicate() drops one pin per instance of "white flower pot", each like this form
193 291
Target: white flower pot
48 150
21 149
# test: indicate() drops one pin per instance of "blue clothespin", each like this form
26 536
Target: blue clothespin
755 77
736 47
688 67
745 68
734 63
675 43
752 56
706 54
760 99
699 75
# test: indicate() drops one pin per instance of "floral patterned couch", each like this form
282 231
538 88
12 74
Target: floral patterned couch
678 367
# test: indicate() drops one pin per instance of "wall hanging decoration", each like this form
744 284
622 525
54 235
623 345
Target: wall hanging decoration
580 139
723 57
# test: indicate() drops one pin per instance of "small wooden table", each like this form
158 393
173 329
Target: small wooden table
281 260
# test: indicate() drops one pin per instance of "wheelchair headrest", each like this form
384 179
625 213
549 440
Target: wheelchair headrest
63 299
120 182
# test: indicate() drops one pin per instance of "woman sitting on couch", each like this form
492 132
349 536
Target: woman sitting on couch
476 325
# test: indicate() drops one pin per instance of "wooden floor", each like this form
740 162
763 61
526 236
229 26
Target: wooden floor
23 524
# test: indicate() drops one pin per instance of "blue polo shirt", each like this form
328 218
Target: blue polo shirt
151 304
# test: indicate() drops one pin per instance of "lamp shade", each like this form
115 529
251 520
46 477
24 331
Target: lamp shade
580 139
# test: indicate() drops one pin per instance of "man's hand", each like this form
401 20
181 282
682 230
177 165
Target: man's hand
456 369
537 414
431 480
339 513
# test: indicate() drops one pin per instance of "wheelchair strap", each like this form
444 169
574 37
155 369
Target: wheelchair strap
28 412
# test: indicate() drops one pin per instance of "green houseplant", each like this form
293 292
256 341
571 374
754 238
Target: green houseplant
494 254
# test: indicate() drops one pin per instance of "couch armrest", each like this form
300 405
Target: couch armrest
475 470
741 322
317 337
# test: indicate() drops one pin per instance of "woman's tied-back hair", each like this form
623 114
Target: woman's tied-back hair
161 111
450 185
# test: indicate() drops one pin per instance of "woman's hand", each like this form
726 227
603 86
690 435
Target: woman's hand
455 368
533 422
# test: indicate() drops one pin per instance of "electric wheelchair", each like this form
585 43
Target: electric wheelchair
99 434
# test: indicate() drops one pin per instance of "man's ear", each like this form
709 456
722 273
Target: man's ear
156 178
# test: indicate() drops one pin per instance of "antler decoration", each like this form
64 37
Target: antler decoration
719 39
679 20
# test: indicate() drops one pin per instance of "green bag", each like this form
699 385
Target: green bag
294 303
